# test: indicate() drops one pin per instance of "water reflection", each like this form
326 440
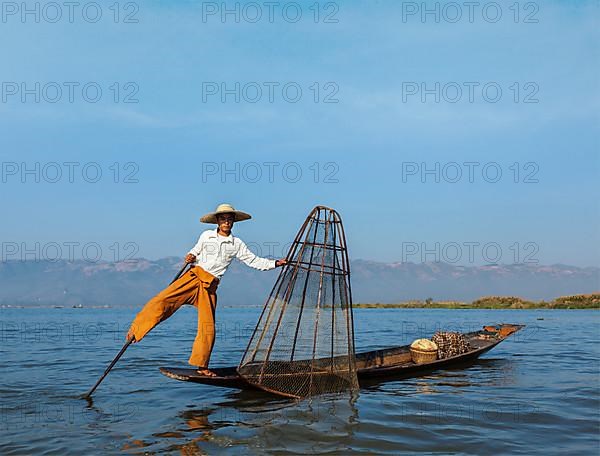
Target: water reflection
486 372
262 422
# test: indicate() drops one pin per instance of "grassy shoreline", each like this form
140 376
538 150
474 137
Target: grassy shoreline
583 301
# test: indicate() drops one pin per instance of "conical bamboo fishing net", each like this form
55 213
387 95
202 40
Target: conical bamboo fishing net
303 344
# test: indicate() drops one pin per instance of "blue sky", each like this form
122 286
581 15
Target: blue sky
370 57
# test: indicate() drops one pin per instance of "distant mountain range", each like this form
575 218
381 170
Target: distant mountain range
132 283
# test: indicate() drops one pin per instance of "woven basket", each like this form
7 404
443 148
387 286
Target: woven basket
423 356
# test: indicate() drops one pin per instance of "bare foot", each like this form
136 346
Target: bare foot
207 373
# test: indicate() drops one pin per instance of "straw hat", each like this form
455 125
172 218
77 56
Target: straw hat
211 217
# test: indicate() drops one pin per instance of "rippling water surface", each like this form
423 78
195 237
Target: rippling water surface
537 392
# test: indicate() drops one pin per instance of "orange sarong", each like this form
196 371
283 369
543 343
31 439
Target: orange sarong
196 287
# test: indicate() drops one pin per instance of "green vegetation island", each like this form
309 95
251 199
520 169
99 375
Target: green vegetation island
583 301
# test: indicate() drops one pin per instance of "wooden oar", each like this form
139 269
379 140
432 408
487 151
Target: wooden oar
127 344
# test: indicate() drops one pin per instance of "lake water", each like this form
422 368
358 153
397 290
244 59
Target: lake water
536 393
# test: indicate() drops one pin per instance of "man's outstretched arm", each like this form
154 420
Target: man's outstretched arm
245 255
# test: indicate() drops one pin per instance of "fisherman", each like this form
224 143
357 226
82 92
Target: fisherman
210 258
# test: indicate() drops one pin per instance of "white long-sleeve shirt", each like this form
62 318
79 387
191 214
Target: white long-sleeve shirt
214 253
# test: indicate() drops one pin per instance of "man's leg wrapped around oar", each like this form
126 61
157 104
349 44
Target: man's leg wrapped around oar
196 287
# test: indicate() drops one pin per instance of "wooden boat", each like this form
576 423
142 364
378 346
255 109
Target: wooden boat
374 366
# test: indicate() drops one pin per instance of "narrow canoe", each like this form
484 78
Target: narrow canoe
373 366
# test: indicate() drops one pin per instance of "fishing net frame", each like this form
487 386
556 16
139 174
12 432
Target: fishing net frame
313 297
